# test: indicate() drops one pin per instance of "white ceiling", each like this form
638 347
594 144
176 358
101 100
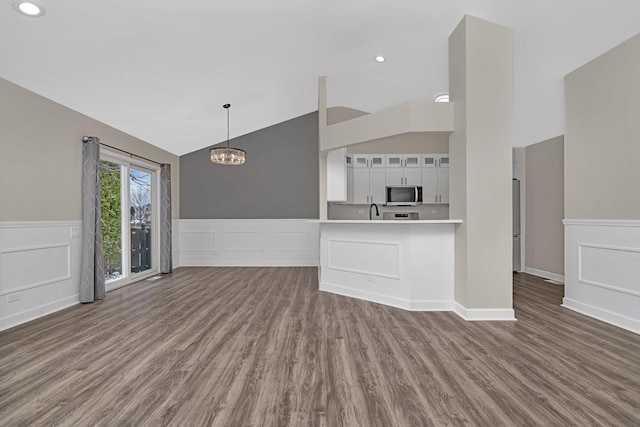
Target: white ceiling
161 70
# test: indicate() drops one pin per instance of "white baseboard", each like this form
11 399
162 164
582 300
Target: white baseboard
253 263
402 303
37 312
544 274
484 314
614 319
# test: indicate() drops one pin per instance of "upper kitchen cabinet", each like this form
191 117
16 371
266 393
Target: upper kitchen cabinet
435 178
435 160
368 186
337 175
404 160
368 160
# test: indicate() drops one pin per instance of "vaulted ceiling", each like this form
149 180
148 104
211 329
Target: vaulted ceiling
161 70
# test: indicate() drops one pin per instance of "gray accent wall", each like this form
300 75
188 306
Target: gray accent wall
279 179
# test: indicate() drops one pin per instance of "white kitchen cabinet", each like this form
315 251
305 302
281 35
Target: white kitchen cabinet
337 176
403 176
404 160
394 176
443 184
368 160
360 186
377 160
404 169
429 160
412 160
360 160
368 186
412 176
395 160
377 187
435 160
429 185
435 185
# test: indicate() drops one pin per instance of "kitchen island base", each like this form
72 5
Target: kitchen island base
404 264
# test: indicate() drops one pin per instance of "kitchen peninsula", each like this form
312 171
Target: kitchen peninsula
405 264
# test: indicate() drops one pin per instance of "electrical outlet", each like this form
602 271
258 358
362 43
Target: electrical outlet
13 297
434 211
75 232
360 211
371 279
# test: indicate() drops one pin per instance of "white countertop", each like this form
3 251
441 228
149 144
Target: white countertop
390 221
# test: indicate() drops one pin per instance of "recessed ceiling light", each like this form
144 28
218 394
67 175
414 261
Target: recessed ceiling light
380 58
443 97
29 8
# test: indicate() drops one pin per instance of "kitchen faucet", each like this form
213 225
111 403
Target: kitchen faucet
371 206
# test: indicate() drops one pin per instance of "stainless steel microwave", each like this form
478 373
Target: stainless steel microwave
406 195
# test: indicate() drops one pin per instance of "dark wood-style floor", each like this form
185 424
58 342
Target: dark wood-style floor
263 347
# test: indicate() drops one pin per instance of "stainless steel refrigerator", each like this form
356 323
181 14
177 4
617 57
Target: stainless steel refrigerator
517 263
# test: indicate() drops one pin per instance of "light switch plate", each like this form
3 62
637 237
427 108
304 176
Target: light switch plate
75 232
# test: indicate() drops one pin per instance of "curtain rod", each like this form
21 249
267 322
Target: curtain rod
87 138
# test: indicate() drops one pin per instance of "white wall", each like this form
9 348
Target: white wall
258 242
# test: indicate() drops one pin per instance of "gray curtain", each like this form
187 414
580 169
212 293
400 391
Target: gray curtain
166 264
92 274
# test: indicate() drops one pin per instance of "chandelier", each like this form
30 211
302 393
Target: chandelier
227 155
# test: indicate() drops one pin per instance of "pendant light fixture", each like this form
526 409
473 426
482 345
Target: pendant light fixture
227 155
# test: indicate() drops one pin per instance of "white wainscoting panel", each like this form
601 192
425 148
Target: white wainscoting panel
602 270
243 241
39 269
365 257
247 242
26 268
291 241
175 243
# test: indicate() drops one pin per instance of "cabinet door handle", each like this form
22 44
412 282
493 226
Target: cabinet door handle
436 199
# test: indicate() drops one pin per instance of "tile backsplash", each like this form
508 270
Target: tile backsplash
425 212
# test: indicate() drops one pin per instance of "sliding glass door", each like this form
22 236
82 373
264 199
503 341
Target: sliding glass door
129 207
